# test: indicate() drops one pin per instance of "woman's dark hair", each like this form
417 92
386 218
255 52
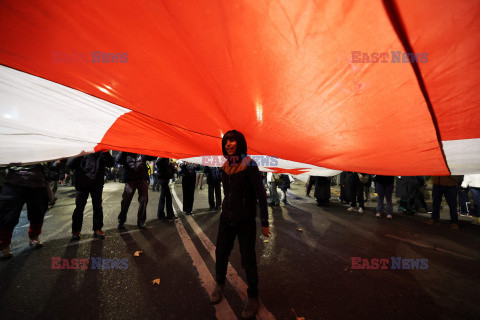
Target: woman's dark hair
241 144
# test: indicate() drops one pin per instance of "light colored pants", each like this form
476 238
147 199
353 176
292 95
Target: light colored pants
199 182
273 192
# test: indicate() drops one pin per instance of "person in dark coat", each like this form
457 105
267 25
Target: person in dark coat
120 173
135 177
165 172
22 184
444 186
345 194
284 186
356 192
188 173
408 190
310 183
322 191
384 189
463 200
419 203
214 179
242 186
366 186
89 179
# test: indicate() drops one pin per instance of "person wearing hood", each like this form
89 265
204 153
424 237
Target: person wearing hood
242 186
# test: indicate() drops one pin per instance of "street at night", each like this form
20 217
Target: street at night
306 265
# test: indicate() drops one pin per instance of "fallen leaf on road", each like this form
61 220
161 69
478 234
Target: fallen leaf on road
265 241
296 316
156 281
137 253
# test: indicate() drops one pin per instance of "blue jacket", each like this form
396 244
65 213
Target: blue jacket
214 175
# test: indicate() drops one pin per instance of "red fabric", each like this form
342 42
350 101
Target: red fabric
280 72
452 75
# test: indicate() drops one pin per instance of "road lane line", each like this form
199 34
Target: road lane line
223 311
232 275
429 246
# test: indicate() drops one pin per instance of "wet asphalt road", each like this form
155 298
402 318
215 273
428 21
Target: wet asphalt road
305 265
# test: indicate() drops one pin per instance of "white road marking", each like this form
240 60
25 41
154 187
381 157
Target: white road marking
429 246
232 275
223 309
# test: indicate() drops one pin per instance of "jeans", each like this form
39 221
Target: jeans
384 191
188 189
165 199
214 193
356 189
450 194
273 192
130 187
476 198
463 199
95 192
13 199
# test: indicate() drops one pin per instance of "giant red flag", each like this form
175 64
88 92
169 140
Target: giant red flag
321 84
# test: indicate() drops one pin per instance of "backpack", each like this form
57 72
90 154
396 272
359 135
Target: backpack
89 165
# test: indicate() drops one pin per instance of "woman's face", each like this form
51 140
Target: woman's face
231 147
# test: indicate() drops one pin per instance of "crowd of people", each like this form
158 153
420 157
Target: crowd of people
244 187
89 173
411 191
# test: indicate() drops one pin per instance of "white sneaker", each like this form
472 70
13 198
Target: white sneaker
360 210
389 216
352 209
378 215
